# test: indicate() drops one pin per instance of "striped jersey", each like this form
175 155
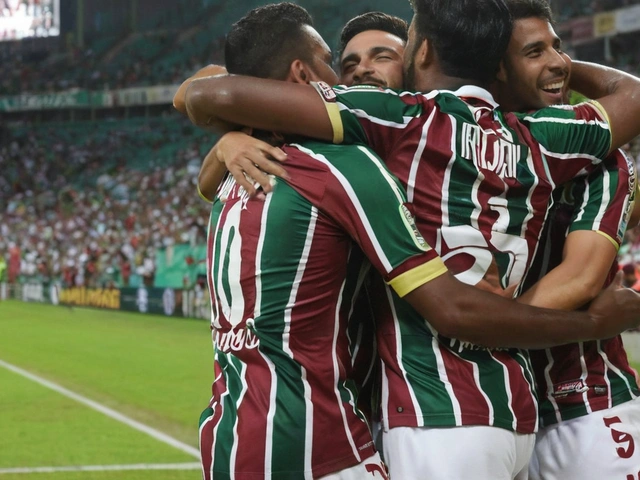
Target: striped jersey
580 378
284 271
480 181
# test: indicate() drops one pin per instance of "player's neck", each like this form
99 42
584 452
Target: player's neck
441 81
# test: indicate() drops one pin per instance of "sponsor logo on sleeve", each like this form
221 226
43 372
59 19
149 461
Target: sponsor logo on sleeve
411 225
326 92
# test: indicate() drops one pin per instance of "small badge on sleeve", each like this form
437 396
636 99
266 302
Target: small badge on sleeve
325 91
411 225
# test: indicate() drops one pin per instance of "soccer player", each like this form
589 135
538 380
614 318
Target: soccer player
451 383
371 50
589 405
284 403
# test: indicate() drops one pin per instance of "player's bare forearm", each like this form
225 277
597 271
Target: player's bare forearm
617 91
265 104
179 97
460 311
580 276
211 175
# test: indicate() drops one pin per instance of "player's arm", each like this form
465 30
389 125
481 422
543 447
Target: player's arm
368 202
271 105
586 262
179 96
617 92
211 174
602 207
460 311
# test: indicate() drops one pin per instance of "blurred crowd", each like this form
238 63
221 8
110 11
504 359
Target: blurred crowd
96 233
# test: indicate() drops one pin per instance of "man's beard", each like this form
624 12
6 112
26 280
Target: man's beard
409 83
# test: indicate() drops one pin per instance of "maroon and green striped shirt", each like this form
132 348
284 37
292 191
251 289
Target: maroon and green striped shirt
580 378
480 181
284 272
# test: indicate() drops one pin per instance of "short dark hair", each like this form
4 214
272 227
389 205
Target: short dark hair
470 37
266 40
373 21
530 9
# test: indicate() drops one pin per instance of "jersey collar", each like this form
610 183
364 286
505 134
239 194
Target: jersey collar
474 91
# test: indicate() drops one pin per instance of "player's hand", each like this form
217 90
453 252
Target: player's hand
615 310
250 161
208 71
491 282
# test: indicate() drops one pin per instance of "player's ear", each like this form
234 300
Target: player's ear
501 76
299 72
425 54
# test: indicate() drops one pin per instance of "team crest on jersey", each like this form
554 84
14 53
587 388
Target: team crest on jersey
325 91
411 225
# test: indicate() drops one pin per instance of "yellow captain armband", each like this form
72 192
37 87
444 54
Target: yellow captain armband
201 195
329 98
408 281
616 245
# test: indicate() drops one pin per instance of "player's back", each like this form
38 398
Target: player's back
480 182
283 276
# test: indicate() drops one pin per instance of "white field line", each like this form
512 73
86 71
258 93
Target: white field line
104 468
152 432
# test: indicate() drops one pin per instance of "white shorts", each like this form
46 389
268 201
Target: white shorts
372 468
601 445
474 452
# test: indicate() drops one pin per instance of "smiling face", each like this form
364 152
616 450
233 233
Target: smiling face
535 71
373 57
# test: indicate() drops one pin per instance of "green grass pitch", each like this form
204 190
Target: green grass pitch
156 370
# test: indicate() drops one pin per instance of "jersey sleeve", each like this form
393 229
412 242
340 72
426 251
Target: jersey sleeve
369 115
605 198
369 203
573 139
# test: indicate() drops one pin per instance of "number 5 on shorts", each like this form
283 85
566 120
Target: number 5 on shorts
621 438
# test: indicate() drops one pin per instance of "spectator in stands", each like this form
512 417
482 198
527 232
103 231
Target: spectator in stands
78 233
630 277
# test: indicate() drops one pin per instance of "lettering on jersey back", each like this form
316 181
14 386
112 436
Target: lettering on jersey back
489 152
237 339
230 190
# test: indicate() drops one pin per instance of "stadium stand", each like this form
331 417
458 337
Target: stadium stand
98 173
86 198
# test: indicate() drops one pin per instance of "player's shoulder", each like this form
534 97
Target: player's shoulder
324 153
380 93
580 114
